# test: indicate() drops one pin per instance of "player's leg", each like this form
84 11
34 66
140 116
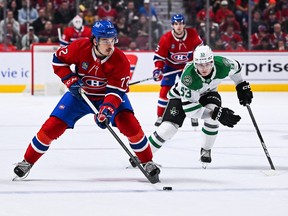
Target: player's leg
210 127
65 114
130 127
50 130
162 103
173 118
166 84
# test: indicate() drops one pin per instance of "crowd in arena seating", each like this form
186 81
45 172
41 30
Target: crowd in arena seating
39 21
229 23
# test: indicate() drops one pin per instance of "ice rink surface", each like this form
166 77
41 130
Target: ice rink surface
84 172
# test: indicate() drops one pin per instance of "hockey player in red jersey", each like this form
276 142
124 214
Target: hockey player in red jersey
174 50
103 71
72 33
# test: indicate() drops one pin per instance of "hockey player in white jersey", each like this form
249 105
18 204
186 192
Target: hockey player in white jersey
195 95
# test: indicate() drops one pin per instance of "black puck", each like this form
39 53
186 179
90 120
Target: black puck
167 188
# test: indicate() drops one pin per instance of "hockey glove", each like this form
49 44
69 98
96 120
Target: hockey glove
225 116
105 113
74 84
244 93
157 74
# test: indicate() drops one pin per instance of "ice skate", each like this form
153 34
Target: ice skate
205 157
152 170
22 170
133 164
158 122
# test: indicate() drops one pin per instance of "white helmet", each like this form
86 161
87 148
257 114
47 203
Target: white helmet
77 22
203 54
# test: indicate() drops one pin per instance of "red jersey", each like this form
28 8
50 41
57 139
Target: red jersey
71 34
176 52
109 76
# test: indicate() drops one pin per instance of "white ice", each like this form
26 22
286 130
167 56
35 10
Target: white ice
84 172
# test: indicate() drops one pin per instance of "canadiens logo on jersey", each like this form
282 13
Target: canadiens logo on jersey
85 65
180 57
95 83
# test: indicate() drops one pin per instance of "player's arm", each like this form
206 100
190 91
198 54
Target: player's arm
160 56
243 89
64 40
117 86
62 59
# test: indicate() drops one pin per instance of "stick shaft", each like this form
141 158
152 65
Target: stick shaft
260 137
90 104
150 78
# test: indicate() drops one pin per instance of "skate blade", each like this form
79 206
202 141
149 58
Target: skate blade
270 172
132 167
204 165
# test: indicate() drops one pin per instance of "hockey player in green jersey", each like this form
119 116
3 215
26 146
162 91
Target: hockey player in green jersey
195 95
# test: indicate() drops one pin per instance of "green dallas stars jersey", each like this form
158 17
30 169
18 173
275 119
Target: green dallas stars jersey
192 85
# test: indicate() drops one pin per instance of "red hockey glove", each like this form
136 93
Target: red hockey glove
158 74
74 84
105 113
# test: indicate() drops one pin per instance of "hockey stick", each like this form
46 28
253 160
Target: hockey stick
132 157
150 78
260 137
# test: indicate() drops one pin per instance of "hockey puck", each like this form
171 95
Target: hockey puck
167 188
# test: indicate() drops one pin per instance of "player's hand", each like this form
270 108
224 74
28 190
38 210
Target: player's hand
244 93
74 84
105 113
225 116
157 74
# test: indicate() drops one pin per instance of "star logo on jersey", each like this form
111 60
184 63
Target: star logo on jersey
174 111
85 65
187 80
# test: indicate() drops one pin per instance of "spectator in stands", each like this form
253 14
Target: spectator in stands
230 34
256 21
27 14
76 31
123 31
133 46
29 38
14 6
201 15
222 12
272 19
234 45
105 11
49 11
89 18
264 44
144 10
12 37
157 29
130 12
48 34
1 10
39 23
281 45
202 29
215 39
241 11
7 45
278 35
64 14
230 20
10 20
258 36
134 27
